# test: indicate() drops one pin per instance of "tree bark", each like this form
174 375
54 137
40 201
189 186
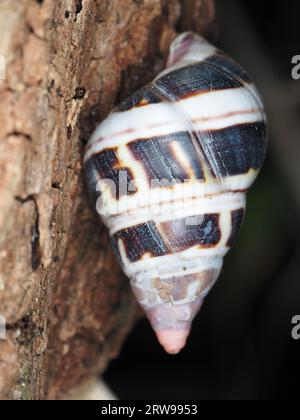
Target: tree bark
67 306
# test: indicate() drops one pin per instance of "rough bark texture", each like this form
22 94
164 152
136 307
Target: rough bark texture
67 306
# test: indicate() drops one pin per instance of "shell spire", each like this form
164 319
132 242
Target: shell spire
169 170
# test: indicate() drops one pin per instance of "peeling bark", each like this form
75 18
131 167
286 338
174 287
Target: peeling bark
67 306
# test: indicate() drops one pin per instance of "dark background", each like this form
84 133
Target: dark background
241 346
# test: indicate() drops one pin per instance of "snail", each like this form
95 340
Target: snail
168 171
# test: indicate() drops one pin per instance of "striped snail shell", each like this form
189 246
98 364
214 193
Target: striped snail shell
168 170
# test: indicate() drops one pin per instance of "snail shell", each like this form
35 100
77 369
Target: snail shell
168 170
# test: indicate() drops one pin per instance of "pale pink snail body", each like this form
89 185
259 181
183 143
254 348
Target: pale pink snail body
169 169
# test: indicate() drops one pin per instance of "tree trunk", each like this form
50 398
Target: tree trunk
66 304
